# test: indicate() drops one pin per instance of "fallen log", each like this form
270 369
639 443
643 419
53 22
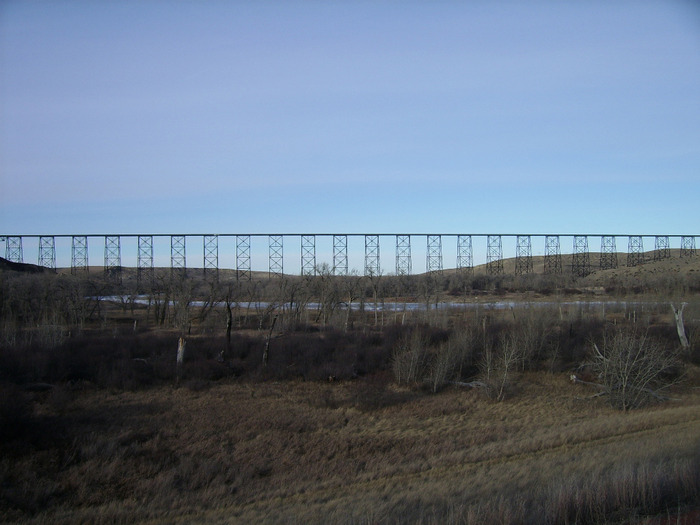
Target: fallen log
472 384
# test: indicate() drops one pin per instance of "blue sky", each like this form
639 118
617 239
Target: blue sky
434 117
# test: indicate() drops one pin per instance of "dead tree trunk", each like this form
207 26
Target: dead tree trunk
680 327
229 323
267 342
181 343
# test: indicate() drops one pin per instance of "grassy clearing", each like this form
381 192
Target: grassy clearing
355 452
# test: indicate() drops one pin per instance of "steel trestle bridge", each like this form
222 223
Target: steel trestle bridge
402 244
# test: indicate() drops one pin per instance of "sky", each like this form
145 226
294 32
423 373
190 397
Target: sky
349 117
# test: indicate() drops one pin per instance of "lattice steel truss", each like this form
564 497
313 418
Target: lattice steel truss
494 255
276 260
47 252
340 255
433 262
523 255
113 257
178 254
687 246
243 257
662 248
13 249
308 255
403 255
608 252
372 265
465 257
635 251
79 255
581 259
144 261
552 255
211 254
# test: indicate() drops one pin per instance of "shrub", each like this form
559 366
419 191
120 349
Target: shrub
634 368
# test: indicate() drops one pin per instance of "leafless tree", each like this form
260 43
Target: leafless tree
351 286
410 358
498 364
634 369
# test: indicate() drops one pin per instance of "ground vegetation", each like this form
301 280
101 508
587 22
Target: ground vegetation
449 398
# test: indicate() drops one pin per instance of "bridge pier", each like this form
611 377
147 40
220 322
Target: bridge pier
113 258
403 255
608 252
433 262
340 255
687 246
178 255
211 254
276 256
372 264
523 255
13 249
144 261
581 260
465 256
494 255
243 257
47 252
662 248
635 251
308 255
79 255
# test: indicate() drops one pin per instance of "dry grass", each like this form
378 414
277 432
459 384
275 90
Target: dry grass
353 452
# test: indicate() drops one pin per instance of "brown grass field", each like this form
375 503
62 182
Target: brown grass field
360 451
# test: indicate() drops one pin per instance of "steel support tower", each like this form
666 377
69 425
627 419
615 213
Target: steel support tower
635 251
13 249
47 252
79 255
433 259
403 255
465 257
144 261
523 255
608 252
211 254
340 255
276 256
308 255
552 255
113 257
494 255
372 264
581 259
662 248
178 254
243 257
687 246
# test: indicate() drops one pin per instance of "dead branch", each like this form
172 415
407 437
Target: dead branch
576 380
472 384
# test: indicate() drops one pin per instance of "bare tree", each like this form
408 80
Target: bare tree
498 364
634 369
409 359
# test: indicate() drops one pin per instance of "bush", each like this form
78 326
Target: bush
634 368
